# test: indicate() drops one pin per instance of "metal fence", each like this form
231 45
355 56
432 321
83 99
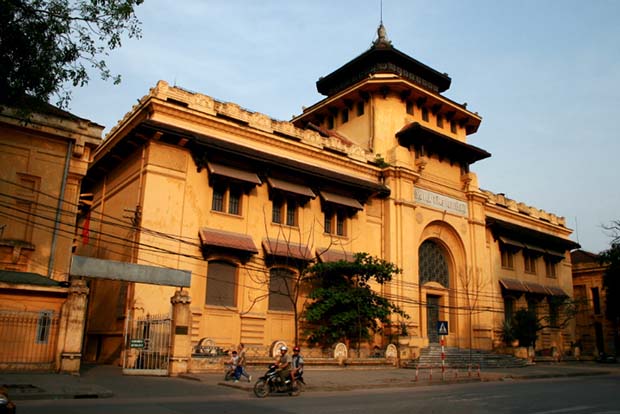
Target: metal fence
147 345
28 340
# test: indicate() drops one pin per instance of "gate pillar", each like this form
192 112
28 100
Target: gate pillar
181 336
72 327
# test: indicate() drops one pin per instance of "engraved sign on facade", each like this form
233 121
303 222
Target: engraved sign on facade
441 202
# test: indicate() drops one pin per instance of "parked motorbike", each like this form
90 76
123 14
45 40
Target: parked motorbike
271 383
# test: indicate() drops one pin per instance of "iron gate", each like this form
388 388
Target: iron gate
28 340
147 345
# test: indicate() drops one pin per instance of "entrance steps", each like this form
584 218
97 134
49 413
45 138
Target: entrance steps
462 358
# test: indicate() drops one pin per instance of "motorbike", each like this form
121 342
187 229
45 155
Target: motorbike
229 373
271 383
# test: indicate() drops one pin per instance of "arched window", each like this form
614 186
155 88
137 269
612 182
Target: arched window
221 284
281 289
433 264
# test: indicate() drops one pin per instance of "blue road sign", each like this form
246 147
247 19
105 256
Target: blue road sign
442 327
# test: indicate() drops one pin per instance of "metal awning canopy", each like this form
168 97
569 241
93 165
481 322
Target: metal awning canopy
283 248
227 239
513 284
289 187
341 200
130 272
234 173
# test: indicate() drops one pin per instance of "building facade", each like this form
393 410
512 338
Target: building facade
380 165
593 332
42 163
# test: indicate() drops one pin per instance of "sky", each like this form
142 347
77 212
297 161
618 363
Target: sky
544 75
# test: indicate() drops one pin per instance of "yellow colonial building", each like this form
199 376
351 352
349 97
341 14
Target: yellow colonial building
42 163
381 165
594 333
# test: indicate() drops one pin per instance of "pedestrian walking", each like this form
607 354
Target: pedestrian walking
241 363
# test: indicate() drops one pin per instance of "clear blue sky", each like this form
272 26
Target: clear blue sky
543 74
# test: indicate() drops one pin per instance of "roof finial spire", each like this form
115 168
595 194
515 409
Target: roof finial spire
382 39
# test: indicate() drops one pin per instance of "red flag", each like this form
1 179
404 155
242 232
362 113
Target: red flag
86 229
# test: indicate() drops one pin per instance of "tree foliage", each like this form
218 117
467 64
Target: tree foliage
611 280
345 307
526 326
47 46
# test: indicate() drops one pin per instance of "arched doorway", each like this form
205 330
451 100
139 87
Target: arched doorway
434 271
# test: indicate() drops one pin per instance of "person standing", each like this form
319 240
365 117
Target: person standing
241 364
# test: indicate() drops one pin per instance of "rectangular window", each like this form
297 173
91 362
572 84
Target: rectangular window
596 301
234 201
327 223
507 257
336 221
227 198
221 284
284 211
345 115
439 121
529 261
360 108
410 107
218 198
291 212
44 326
550 268
276 211
453 127
340 223
553 313
424 114
280 289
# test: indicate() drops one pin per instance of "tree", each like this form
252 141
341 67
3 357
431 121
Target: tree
526 323
472 285
47 45
526 327
345 307
611 280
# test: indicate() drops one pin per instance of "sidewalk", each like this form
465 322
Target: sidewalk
105 381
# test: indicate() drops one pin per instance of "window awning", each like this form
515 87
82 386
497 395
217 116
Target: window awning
533 239
531 287
283 248
511 242
536 249
341 200
537 288
227 239
292 188
234 173
513 284
554 254
556 291
326 255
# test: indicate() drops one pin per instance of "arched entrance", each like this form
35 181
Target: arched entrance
434 275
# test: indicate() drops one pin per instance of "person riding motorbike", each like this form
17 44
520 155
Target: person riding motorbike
283 364
297 364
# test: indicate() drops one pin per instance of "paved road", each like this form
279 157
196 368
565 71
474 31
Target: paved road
573 395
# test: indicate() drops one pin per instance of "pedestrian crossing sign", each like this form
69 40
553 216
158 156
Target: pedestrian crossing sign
442 327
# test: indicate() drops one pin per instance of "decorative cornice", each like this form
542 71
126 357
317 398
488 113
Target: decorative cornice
501 200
